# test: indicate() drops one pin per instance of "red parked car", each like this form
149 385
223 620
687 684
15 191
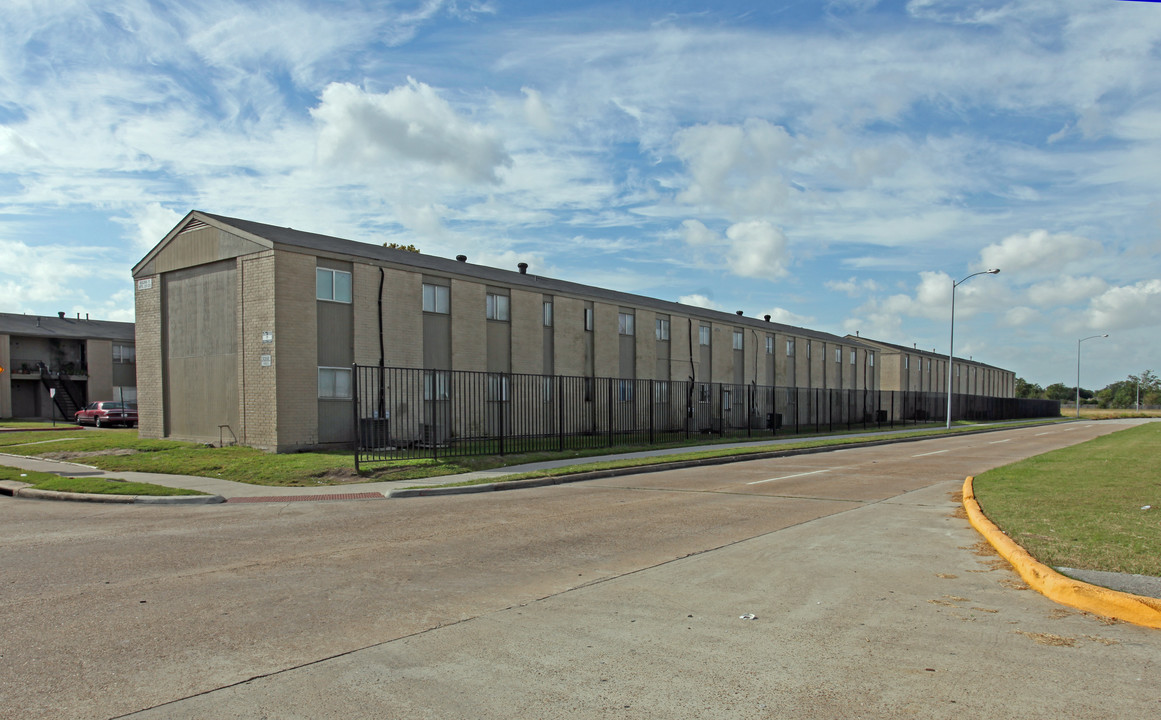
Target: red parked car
105 413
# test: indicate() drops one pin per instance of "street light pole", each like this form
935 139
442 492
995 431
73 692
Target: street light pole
1078 342
951 343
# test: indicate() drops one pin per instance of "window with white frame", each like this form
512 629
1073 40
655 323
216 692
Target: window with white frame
661 328
547 313
703 392
497 307
334 383
124 354
838 355
870 359
727 399
769 345
625 390
332 285
661 391
497 387
703 335
906 362
436 298
435 384
625 323
854 354
546 384
808 345
790 347
588 319
739 340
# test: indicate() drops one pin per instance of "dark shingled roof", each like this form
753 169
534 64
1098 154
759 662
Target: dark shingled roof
326 244
66 327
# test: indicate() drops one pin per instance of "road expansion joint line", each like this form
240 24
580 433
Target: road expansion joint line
441 626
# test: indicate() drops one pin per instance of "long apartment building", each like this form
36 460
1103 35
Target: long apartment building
248 332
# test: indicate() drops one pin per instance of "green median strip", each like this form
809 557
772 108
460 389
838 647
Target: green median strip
1093 506
99 486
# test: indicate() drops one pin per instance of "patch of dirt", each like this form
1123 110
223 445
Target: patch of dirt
987 610
90 453
342 475
983 548
1101 640
943 602
1014 584
956 598
1059 613
1049 639
946 576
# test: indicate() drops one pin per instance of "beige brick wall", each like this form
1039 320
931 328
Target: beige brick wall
568 336
679 344
99 354
722 348
818 360
296 322
646 344
607 341
527 325
469 326
402 319
258 385
147 333
5 377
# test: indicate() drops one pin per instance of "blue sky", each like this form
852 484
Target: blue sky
834 164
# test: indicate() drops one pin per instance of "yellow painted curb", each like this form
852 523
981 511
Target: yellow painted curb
1130 608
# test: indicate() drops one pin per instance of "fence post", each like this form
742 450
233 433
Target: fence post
609 441
355 410
651 403
560 412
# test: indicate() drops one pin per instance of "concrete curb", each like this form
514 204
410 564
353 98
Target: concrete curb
656 467
1130 608
26 491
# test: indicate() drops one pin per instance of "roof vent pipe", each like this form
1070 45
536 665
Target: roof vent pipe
60 315
767 318
462 258
738 313
523 268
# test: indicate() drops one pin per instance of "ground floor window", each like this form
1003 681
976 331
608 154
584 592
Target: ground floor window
334 383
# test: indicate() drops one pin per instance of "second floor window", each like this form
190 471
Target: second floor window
769 345
124 354
497 307
333 285
436 299
662 329
625 323
703 335
588 319
739 339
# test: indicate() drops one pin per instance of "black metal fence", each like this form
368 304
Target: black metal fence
407 413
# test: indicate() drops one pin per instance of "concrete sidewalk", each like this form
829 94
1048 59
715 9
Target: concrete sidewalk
233 490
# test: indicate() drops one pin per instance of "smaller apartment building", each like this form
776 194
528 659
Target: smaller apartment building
912 369
96 358
248 332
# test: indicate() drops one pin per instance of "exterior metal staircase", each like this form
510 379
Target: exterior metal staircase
68 398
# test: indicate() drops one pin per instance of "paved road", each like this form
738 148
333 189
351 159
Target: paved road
612 598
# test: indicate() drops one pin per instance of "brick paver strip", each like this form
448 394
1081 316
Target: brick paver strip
304 498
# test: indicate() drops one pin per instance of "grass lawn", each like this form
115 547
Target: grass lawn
49 481
123 450
1081 507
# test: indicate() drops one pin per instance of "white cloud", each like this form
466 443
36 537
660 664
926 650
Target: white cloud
1065 290
147 225
536 111
853 287
786 317
1038 251
698 300
695 234
1130 306
411 123
1020 317
758 249
735 167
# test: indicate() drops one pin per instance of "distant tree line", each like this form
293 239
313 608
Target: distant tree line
1121 394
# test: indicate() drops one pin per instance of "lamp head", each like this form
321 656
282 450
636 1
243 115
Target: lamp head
994 271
